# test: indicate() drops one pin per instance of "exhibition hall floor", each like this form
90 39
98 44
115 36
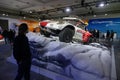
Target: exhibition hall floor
8 70
117 58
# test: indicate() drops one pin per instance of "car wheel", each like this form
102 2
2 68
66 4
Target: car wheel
66 35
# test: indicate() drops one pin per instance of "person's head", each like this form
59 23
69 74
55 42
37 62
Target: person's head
23 28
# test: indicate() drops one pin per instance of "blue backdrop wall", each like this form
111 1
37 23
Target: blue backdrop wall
105 24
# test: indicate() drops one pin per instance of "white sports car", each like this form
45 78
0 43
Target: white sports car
67 29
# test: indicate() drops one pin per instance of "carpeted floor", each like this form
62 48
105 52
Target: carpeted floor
8 70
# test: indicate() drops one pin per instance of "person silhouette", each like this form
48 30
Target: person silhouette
22 54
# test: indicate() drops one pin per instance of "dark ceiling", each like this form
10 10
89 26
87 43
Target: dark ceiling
55 8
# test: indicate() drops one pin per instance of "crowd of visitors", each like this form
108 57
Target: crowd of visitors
8 35
97 35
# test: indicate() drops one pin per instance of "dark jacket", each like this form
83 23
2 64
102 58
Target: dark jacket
21 49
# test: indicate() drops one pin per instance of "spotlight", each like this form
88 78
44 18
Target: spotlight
30 11
24 17
3 14
102 4
94 15
6 14
107 4
106 14
68 9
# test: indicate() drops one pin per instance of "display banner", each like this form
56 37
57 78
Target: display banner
105 24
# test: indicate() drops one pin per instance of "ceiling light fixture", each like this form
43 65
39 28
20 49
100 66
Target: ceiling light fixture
68 9
106 14
24 17
94 15
102 4
107 4
6 14
30 11
3 14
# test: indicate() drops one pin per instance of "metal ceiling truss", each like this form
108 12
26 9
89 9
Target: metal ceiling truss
18 14
45 13
45 1
86 5
89 4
